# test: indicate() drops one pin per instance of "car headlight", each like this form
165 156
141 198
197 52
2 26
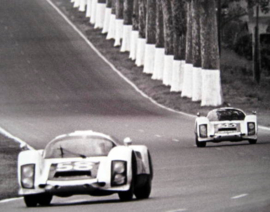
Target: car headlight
119 173
28 175
203 130
251 128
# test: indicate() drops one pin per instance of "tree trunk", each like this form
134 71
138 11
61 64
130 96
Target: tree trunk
196 53
160 51
135 30
82 5
159 25
119 4
168 41
150 37
112 25
100 14
211 85
142 18
188 68
128 11
179 25
109 3
142 40
88 9
93 11
168 26
151 22
127 27
119 9
107 17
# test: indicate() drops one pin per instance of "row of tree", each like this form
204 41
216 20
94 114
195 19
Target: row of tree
174 40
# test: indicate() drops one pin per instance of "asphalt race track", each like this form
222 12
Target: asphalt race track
52 82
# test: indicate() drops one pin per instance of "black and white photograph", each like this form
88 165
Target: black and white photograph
135 105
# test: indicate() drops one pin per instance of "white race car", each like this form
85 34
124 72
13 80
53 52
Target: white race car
226 124
84 162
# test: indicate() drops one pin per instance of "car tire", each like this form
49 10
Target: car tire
45 199
253 141
127 195
143 190
31 200
199 144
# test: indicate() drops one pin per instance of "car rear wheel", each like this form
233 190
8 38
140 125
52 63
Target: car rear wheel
199 144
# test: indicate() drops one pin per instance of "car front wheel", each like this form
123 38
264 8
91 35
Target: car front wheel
199 144
45 199
126 195
31 200
254 141
143 191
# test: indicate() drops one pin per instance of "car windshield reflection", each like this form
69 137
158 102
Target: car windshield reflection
226 115
78 146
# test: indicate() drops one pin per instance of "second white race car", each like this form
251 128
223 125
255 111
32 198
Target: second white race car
84 162
226 124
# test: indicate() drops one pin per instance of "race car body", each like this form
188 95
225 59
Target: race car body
226 124
84 162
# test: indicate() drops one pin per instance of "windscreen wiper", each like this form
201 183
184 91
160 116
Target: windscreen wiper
62 150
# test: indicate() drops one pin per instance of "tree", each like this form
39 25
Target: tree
107 17
150 37
196 52
179 30
100 13
168 40
111 30
119 15
135 30
128 10
188 68
159 51
142 40
211 85
127 28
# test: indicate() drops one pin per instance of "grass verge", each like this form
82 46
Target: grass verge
9 150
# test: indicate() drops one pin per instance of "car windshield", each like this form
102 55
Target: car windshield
225 115
79 146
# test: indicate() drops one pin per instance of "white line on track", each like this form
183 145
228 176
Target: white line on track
178 210
239 196
10 200
175 140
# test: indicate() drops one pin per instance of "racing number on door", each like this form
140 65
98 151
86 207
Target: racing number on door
75 166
